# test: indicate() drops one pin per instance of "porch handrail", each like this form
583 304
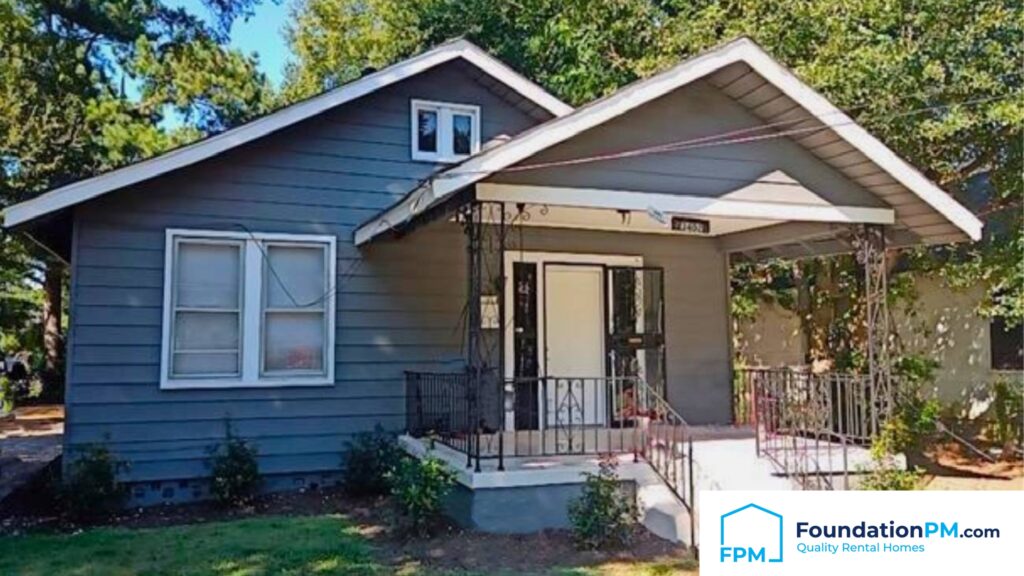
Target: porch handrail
806 422
665 441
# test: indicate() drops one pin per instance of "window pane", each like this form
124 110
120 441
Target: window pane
462 133
207 275
293 341
206 331
426 122
295 277
192 364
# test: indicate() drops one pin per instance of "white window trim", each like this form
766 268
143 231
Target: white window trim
445 139
252 283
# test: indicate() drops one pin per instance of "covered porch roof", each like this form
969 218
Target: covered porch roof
729 138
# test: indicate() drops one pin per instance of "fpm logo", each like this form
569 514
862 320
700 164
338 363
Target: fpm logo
754 533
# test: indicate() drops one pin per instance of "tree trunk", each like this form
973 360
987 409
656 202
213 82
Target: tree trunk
52 341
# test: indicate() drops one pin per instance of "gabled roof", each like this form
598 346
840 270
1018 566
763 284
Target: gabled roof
87 189
875 166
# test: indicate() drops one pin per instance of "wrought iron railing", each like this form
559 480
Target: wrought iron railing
665 441
807 423
553 416
451 409
550 416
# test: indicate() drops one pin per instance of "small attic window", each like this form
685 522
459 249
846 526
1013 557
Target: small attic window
444 132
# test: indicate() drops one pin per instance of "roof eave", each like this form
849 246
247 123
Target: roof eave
743 50
84 190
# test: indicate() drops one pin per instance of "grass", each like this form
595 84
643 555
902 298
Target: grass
310 545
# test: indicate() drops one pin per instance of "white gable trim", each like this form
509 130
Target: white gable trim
743 50
84 190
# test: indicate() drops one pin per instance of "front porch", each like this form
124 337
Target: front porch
582 343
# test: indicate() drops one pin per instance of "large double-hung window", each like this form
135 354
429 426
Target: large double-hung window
248 309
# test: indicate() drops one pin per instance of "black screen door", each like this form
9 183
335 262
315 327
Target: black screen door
636 324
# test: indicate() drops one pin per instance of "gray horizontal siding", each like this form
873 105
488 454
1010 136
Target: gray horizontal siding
399 305
697 111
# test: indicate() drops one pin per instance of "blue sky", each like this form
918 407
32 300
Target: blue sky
263 33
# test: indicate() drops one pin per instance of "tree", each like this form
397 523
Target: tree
66 68
955 65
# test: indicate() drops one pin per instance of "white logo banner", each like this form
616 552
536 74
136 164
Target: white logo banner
860 533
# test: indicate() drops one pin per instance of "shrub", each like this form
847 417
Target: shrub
419 486
236 476
1006 415
91 489
605 514
916 414
887 476
367 461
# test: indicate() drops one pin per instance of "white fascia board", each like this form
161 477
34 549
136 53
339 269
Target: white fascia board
683 204
398 214
522 85
84 190
742 50
779 76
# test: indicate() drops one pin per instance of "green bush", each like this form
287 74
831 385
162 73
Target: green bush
1006 414
235 471
605 515
367 462
91 489
419 486
916 413
887 476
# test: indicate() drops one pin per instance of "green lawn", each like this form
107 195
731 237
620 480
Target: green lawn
317 545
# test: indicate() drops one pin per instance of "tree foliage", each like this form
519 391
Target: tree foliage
88 85
940 81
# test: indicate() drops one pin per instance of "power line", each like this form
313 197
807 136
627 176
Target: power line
738 136
331 290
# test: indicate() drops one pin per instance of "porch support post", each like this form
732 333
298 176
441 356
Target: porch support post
485 230
473 225
870 244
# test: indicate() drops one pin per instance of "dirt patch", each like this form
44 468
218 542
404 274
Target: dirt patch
460 550
951 466
450 548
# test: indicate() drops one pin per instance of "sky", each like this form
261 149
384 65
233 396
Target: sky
262 33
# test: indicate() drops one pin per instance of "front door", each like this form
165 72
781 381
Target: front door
574 343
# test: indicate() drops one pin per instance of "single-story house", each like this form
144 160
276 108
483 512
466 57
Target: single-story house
444 225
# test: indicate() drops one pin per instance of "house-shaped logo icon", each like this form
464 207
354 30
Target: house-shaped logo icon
754 535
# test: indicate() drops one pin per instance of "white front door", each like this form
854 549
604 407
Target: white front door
574 344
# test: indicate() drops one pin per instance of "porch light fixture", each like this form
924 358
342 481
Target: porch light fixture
657 215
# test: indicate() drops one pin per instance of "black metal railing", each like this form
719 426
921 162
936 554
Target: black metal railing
458 409
553 416
665 441
806 423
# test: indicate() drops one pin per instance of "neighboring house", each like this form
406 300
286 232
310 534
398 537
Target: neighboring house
941 323
290 274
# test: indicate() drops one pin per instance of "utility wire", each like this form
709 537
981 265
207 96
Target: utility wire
732 137
738 136
333 289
